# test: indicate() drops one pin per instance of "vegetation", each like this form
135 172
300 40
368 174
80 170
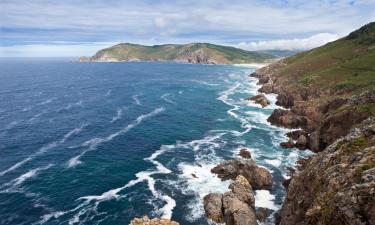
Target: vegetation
214 53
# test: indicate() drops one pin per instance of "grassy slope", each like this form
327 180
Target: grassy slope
346 66
221 54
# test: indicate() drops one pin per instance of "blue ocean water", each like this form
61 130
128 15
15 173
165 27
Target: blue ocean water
101 143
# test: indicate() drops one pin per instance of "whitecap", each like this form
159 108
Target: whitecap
42 150
165 98
94 142
136 99
273 162
264 199
118 115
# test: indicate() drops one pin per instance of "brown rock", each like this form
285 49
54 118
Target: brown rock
287 144
262 214
260 99
301 142
213 206
259 178
245 153
237 212
242 190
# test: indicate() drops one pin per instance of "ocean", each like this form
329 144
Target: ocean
102 143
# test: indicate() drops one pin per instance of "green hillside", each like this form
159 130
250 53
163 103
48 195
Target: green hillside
203 53
347 64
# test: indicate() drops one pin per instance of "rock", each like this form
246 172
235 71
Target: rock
267 88
260 99
213 207
301 142
244 153
287 144
287 118
294 135
194 175
313 141
235 207
336 185
286 183
156 221
262 214
242 190
237 212
259 178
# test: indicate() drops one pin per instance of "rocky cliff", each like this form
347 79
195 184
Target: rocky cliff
197 53
328 93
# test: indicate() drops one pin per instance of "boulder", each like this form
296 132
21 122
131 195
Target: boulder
287 144
262 214
213 207
242 190
287 118
259 178
244 153
294 135
237 212
301 142
260 99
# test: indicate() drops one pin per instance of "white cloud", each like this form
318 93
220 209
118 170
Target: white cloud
160 22
290 44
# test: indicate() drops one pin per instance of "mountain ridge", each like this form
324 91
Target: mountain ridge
196 53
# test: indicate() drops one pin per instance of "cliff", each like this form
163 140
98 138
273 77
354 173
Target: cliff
198 53
329 94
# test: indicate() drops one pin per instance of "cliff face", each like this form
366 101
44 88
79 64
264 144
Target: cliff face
336 186
329 93
197 53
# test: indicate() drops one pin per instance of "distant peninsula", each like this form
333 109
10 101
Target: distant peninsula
195 53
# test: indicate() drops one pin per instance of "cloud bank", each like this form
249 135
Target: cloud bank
251 22
290 44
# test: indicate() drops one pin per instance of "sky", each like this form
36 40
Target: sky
45 28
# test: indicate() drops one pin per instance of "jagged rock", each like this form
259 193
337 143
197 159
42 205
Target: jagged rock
262 214
287 144
286 118
237 212
156 221
244 153
294 135
313 141
286 183
242 190
260 99
337 185
235 207
285 99
267 88
301 142
259 178
213 206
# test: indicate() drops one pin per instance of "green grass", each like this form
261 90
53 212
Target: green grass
222 54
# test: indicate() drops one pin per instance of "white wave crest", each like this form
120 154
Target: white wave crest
263 198
22 178
118 115
42 150
136 99
94 142
165 98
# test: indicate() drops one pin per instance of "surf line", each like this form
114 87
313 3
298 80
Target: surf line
44 149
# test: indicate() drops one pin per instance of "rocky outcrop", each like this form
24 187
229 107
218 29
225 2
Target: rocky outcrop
259 178
260 99
156 221
245 153
336 186
235 207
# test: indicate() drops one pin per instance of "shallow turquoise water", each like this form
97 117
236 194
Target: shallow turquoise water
101 143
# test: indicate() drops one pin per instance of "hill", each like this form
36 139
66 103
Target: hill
200 53
329 93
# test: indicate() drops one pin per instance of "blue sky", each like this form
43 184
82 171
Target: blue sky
80 27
